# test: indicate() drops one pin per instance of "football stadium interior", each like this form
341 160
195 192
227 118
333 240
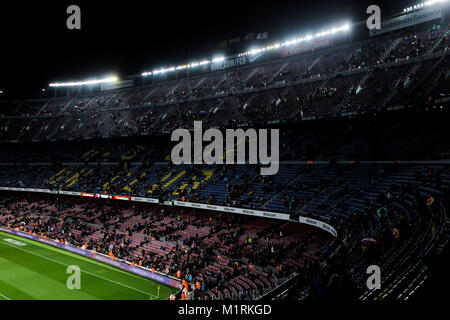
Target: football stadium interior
87 178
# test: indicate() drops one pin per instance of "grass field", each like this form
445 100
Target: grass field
35 271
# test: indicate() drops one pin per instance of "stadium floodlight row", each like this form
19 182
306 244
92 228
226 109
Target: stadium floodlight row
277 45
423 4
344 27
82 83
184 66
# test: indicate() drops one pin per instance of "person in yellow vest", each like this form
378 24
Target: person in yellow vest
178 274
396 233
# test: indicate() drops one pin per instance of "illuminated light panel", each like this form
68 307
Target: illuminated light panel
83 83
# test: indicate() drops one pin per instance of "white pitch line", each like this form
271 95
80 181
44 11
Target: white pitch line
92 274
2 295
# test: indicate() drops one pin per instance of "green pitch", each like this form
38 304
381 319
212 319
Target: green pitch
30 270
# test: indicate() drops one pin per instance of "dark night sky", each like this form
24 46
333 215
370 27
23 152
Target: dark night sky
128 37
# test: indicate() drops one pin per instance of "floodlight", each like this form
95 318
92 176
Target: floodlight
83 83
219 59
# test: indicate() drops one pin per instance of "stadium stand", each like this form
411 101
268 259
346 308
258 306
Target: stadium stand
373 162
